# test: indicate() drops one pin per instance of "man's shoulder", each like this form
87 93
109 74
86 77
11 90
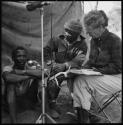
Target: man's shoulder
7 68
56 39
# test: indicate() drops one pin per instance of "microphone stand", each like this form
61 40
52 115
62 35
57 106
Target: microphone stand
43 115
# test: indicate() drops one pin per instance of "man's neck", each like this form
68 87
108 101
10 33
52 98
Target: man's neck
18 67
78 39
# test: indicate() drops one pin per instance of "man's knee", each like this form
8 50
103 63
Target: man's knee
52 90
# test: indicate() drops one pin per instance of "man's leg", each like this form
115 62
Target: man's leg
52 94
30 98
32 92
11 99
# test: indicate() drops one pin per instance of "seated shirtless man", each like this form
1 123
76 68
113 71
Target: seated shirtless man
20 80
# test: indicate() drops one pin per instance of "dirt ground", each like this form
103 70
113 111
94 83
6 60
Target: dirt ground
65 105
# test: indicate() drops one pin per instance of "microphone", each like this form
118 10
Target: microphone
35 5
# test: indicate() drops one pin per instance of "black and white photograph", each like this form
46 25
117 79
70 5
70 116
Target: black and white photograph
61 62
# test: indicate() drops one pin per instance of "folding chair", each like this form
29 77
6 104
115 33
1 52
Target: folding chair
112 98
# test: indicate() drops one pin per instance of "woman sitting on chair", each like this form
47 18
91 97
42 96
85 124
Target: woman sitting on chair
105 57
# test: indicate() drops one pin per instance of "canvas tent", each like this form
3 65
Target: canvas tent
23 27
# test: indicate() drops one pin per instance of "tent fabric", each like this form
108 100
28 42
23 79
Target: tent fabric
21 27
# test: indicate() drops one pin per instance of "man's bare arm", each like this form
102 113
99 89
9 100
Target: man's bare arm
14 78
31 72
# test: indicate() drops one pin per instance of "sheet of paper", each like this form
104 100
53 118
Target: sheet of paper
84 72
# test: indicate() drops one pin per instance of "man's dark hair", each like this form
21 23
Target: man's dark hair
14 52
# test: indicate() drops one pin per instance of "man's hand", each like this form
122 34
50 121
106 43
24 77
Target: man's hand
74 52
58 67
79 59
95 69
46 72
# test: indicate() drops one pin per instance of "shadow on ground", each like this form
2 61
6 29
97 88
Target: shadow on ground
65 105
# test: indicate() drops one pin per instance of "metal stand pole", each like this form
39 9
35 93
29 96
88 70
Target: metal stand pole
42 117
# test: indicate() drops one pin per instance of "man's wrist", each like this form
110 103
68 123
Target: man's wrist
66 65
24 71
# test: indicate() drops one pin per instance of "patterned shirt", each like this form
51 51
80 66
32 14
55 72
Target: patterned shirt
105 53
58 49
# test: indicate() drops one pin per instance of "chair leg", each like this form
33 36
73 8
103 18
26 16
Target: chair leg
118 101
111 99
101 109
91 92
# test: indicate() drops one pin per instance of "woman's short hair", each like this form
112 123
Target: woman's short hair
96 18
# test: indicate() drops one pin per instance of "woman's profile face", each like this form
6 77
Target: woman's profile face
93 32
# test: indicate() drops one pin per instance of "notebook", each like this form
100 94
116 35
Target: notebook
84 72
